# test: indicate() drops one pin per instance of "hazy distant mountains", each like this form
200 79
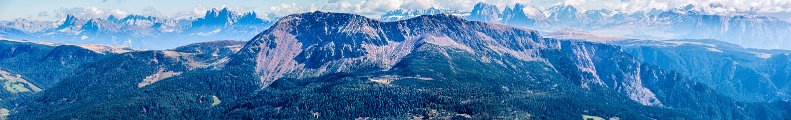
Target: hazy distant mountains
688 22
139 31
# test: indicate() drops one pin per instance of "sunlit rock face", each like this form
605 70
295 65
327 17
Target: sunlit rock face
317 43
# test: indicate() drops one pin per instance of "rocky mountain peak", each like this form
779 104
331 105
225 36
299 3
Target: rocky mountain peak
69 22
484 12
564 13
214 12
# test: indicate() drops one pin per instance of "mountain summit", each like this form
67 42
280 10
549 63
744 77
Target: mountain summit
321 42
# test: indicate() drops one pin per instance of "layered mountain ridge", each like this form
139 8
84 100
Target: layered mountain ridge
685 22
138 31
744 73
321 65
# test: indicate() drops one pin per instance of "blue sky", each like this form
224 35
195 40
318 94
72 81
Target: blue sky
56 9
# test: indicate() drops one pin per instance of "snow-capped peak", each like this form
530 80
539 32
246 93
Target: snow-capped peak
531 11
564 13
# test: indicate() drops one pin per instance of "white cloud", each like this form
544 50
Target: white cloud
83 12
373 8
289 8
150 11
117 12
378 7
644 5
370 7
96 12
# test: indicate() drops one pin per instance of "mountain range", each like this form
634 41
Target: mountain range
321 65
145 32
686 22
517 62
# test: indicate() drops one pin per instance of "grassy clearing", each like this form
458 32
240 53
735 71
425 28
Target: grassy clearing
216 101
15 87
589 117
14 83
4 113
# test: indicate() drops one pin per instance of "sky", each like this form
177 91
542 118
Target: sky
57 9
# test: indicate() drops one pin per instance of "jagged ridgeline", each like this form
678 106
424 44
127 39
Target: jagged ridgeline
744 28
147 32
322 65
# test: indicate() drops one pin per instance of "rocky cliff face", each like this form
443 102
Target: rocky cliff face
484 12
298 46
